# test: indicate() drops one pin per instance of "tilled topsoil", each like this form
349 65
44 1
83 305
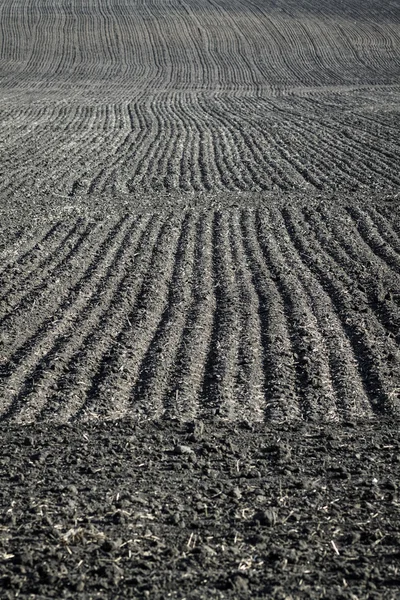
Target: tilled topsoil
200 510
199 299
283 311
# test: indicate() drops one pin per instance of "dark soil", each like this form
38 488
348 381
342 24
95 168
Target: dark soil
199 299
200 510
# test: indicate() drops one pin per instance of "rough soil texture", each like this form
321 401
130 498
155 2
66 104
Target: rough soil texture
200 510
199 299
283 312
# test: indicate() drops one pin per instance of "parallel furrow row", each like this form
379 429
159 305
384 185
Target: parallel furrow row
247 314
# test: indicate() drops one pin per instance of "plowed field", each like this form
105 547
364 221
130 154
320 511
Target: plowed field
200 210
199 251
277 313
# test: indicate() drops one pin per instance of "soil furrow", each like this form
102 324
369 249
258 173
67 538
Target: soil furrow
112 391
352 400
369 341
153 394
281 398
313 377
190 364
220 385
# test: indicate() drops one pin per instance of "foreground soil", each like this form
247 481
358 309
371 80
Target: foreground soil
200 510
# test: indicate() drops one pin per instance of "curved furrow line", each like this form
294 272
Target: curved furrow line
365 35
149 167
110 397
250 378
345 56
272 34
334 66
100 324
46 284
351 397
155 37
254 140
26 249
222 143
367 337
215 44
108 32
299 50
192 158
203 171
195 175
220 387
360 158
145 153
46 23
314 382
374 282
130 138
263 38
384 227
37 364
372 238
185 172
152 394
181 53
250 155
295 172
35 265
154 175
207 161
199 37
234 54
170 153
135 28
163 46
282 403
177 163
186 382
234 177
222 163
320 159
355 155
320 54
139 155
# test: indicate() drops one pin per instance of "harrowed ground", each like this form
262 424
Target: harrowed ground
199 299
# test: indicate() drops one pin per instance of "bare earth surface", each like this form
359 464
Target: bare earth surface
199 299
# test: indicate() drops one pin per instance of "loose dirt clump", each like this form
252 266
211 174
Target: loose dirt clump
200 510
